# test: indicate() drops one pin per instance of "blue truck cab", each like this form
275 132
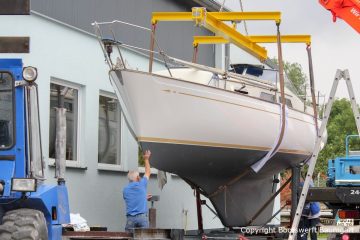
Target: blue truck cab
345 171
28 206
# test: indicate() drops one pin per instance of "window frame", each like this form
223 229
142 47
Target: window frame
121 167
268 95
288 102
78 163
14 111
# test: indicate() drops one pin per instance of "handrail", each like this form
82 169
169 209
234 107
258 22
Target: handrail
224 73
235 77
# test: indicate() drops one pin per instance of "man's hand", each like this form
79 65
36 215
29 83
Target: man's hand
146 157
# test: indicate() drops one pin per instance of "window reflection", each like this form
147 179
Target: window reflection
109 131
70 98
6 110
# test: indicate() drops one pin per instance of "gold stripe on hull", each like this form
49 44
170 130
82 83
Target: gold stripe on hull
224 145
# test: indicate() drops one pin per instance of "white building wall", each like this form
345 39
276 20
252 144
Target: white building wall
69 55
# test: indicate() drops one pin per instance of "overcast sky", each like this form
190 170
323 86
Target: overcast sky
334 45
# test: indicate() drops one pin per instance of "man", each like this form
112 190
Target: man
314 219
310 218
135 196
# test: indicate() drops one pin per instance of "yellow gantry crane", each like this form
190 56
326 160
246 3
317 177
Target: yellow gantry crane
213 21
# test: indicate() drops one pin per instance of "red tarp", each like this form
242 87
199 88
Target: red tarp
348 10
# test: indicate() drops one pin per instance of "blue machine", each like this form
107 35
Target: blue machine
345 171
23 192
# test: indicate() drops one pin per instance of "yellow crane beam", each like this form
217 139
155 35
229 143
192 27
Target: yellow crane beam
221 16
284 39
240 16
255 38
171 16
208 40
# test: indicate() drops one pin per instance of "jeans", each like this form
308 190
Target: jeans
312 223
137 221
307 226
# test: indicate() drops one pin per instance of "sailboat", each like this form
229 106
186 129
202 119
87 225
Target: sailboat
223 132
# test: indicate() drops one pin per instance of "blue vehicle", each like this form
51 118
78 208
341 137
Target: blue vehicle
29 208
344 171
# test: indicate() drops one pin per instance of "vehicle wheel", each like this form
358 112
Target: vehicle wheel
23 224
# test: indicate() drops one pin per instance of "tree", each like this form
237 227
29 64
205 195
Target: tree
341 123
295 74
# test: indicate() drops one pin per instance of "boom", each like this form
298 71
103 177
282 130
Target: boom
348 10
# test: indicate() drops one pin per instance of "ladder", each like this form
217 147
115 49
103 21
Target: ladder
338 76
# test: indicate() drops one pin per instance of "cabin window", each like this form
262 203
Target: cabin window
7 131
109 130
287 102
267 97
70 97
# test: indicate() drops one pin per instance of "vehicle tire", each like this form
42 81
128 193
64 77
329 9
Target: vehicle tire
23 224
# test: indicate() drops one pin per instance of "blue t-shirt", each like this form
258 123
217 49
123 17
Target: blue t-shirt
135 196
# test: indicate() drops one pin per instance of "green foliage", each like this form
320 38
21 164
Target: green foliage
296 75
341 123
141 161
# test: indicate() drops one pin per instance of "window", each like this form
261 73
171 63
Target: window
69 96
267 97
6 110
287 102
109 130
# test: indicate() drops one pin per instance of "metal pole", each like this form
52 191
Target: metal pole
295 182
195 53
60 145
312 88
353 103
227 60
227 57
199 212
60 140
152 41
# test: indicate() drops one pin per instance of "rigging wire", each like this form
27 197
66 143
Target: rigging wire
222 6
242 9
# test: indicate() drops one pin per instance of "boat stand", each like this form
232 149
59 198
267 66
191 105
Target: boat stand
295 183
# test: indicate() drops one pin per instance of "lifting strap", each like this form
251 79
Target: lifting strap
259 164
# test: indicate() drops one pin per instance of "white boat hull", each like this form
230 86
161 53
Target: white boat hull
209 136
